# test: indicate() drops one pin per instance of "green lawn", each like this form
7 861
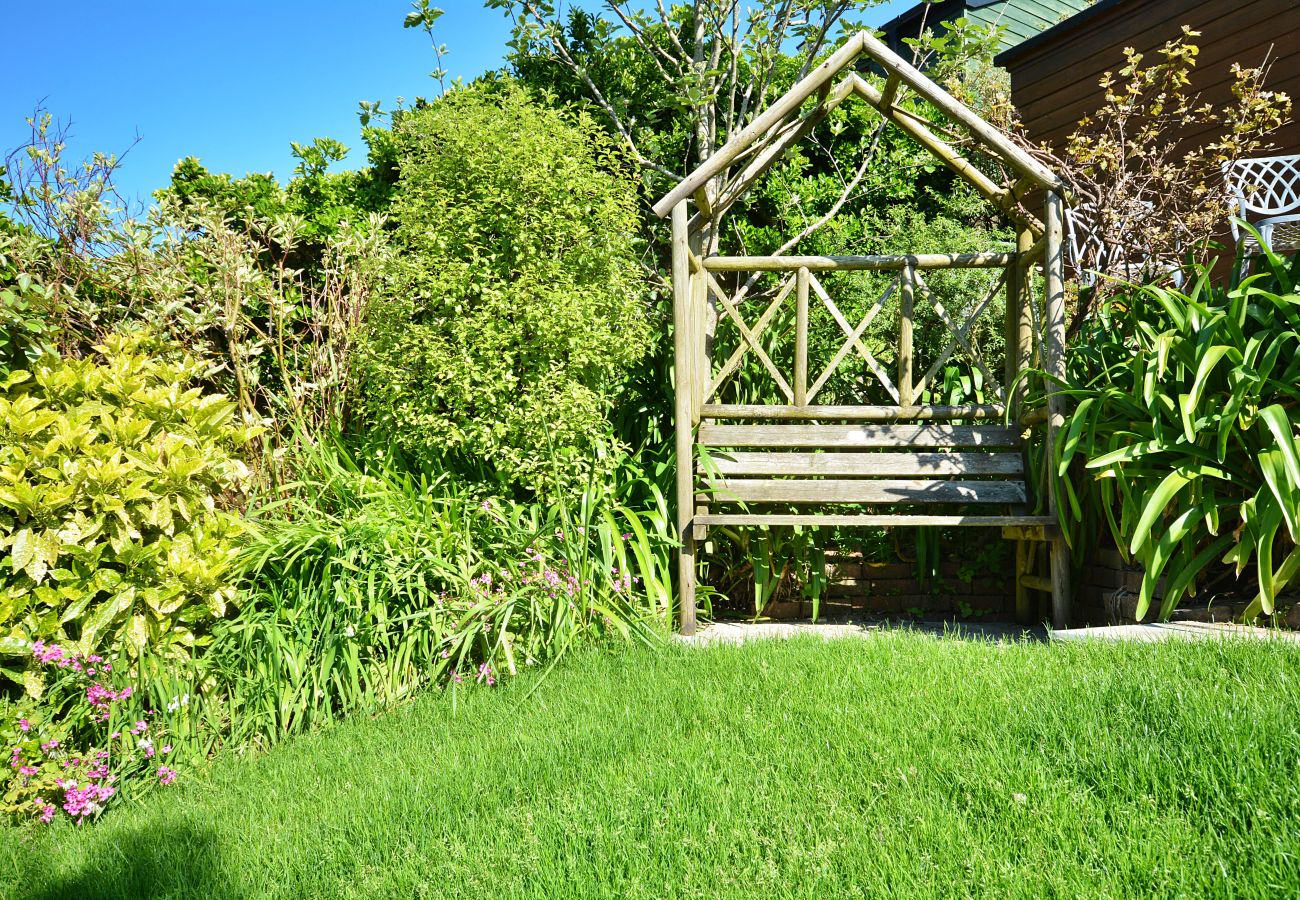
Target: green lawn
900 766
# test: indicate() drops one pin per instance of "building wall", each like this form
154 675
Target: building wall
1054 77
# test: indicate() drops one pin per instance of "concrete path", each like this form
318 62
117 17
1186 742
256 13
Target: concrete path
1165 631
1000 632
739 632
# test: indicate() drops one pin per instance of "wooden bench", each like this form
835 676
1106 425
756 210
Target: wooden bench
742 470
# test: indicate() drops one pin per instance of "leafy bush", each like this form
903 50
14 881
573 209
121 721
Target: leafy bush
516 300
114 482
1186 422
368 583
24 303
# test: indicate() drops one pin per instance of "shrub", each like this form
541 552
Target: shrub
114 482
1187 422
517 298
368 583
24 305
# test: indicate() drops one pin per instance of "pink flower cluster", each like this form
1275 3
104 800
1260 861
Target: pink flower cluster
52 655
84 800
102 698
86 784
622 581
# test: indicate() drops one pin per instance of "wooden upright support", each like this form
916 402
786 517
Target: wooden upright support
684 341
801 338
1054 365
907 299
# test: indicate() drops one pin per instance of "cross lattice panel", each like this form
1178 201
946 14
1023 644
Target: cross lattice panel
854 325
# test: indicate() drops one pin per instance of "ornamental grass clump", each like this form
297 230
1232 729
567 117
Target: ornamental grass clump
1185 432
367 582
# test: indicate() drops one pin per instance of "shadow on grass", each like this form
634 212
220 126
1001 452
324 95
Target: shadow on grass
147 863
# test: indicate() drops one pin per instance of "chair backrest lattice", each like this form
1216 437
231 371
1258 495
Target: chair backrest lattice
1266 185
1096 241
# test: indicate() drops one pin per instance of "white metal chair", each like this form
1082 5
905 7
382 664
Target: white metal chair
1092 249
1267 194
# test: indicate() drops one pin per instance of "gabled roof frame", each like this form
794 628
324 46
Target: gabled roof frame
769 137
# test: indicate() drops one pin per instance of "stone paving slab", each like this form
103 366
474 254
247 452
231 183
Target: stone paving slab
1165 631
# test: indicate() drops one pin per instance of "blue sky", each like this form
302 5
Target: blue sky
231 82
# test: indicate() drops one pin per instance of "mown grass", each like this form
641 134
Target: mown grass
900 766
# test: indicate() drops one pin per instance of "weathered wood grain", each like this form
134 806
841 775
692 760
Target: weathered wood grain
861 436
882 464
871 491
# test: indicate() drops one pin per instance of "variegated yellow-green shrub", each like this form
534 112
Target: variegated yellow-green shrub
117 476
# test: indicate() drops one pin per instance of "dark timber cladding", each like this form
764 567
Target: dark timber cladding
1054 76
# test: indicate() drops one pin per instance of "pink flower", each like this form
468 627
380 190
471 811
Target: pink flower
140 727
166 775
27 770
47 813
24 725
167 748
50 745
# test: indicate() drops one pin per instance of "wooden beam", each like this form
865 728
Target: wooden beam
922 490
877 465
1034 417
683 366
782 144
889 94
945 153
906 315
857 263
1054 364
733 361
868 520
848 437
801 338
774 114
1019 334
853 413
1024 560
751 339
1035 583
958 112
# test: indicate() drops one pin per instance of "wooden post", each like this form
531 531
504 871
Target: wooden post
1024 565
1054 365
684 366
907 300
701 331
801 338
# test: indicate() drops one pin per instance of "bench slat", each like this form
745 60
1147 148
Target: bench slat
934 465
872 521
725 490
857 436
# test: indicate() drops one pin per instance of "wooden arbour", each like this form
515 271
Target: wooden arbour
799 454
